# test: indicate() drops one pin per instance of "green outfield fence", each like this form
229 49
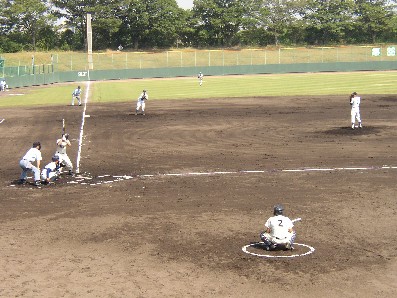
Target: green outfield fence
29 69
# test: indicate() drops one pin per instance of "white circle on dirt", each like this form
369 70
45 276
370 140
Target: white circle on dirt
267 255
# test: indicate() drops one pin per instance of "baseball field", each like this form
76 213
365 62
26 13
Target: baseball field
171 204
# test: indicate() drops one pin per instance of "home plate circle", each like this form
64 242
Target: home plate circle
252 249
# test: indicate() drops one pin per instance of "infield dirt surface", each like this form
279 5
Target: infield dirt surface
165 202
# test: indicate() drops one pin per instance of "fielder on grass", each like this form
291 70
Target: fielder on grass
76 95
200 76
279 232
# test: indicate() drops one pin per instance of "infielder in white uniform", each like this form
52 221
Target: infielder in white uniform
355 109
64 159
279 231
200 77
76 95
51 171
26 163
141 103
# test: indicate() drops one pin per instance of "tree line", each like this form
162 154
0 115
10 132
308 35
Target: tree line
158 24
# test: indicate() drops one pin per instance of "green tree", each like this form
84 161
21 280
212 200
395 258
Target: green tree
151 23
219 21
277 17
373 19
327 20
26 18
104 15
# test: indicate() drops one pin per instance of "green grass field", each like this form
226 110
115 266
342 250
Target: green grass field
227 86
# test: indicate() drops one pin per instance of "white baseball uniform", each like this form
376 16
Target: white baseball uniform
200 77
279 226
76 95
50 171
26 163
141 103
61 152
355 110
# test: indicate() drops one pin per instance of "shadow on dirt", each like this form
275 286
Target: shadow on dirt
348 131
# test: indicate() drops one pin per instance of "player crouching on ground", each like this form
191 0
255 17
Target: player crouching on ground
279 231
26 164
50 173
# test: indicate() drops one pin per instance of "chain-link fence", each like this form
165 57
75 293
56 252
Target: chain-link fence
36 63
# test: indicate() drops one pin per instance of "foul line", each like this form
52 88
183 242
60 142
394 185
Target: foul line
105 179
82 127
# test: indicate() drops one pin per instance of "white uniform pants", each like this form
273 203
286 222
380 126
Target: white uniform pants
27 166
275 240
140 104
64 158
355 114
52 175
77 98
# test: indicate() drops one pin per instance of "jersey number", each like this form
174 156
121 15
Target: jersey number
280 222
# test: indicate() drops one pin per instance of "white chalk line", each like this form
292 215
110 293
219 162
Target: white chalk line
267 255
2 120
82 126
116 178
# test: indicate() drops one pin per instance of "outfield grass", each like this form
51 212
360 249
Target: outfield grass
228 86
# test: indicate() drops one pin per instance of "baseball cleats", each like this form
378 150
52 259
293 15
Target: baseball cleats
270 247
37 183
21 181
353 126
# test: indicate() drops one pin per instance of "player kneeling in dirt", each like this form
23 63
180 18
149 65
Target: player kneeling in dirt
279 233
51 172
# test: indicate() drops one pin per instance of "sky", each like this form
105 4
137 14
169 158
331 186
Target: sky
185 3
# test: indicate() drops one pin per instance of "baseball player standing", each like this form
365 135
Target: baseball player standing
64 159
355 101
278 231
26 163
200 76
76 95
141 103
50 172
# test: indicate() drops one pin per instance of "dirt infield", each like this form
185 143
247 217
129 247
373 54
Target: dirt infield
166 202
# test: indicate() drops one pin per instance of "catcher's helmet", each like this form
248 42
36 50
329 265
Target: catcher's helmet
35 144
278 209
55 158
